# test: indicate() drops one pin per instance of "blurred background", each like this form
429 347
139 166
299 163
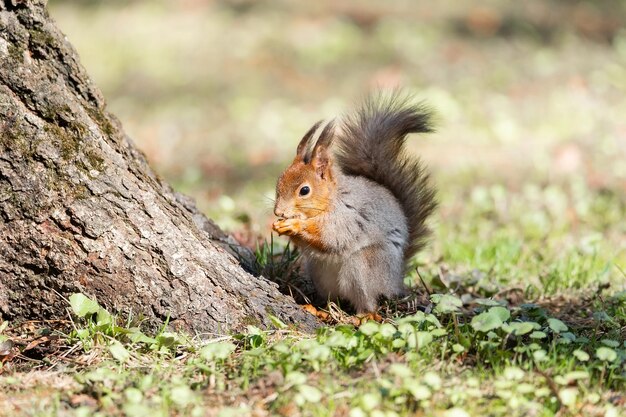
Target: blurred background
530 152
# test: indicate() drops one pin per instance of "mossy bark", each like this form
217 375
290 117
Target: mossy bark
81 210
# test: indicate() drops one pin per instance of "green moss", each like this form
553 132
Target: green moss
270 310
52 112
95 160
68 144
16 54
250 320
41 38
99 116
16 140
22 143
79 192
78 129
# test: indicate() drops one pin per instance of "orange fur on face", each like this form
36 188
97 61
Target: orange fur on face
289 202
305 191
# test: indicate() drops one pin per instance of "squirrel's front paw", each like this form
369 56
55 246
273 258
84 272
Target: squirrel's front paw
289 227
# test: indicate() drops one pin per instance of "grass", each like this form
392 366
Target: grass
519 308
487 356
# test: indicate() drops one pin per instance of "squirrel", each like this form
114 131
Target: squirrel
355 202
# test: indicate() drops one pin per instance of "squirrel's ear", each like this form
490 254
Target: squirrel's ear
303 146
321 152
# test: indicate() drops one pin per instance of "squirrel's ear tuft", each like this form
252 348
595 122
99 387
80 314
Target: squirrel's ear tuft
303 146
321 152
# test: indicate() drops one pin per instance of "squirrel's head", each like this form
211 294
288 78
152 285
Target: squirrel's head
306 187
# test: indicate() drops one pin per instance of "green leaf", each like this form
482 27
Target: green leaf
282 347
540 355
457 348
525 388
357 412
365 354
217 351
513 373
432 319
319 353
82 334
518 328
568 396
253 330
602 316
492 319
485 322
432 380
310 394
84 411
538 335
119 352
465 341
423 339
136 336
501 312
167 340
137 410
182 395
369 401
619 296
455 412
295 378
400 370
556 325
82 305
581 355
255 340
610 343
398 343
387 330
103 318
439 332
606 354
575 375
369 328
133 395
446 303
419 391
488 302
276 322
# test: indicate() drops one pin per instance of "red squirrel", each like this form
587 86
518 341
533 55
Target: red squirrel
355 202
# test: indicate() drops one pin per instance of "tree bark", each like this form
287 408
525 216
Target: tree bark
81 210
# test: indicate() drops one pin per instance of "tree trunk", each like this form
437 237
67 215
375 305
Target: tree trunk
81 211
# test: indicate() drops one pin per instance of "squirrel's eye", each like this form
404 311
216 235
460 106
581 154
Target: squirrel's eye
305 190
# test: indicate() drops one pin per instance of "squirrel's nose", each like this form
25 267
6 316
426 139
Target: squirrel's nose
278 213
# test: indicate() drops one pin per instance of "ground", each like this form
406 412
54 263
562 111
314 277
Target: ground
519 308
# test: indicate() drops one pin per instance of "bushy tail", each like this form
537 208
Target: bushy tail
371 144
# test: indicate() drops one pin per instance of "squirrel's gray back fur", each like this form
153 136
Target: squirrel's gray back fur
371 144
